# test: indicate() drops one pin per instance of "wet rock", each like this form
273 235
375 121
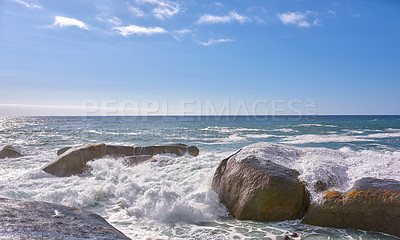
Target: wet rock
371 204
74 160
10 152
40 220
254 188
63 150
119 151
178 149
320 186
135 160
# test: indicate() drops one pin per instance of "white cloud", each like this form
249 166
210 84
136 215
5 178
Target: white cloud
26 4
115 21
164 9
213 41
297 18
138 30
183 31
332 12
69 22
232 16
136 11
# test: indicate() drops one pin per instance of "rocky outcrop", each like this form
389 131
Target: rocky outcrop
253 187
372 204
119 151
178 149
135 160
9 152
74 160
40 220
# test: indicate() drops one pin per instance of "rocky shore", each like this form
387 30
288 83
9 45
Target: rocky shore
44 221
253 187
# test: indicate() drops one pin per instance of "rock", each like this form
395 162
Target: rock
74 160
320 186
178 149
119 151
9 152
135 160
63 150
40 220
255 188
371 204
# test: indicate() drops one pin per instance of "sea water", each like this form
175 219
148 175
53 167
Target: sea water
172 198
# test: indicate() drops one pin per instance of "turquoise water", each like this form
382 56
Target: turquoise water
172 199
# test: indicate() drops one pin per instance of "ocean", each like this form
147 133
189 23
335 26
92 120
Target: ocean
172 198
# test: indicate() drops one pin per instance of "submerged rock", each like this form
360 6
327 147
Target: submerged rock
371 204
255 188
40 220
74 160
9 152
178 149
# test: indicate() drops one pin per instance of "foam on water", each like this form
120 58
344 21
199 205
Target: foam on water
172 198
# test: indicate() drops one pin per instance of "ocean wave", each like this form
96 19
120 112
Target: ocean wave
229 129
262 136
318 138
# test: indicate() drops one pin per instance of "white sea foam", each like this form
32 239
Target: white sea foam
286 130
229 129
318 138
316 125
260 135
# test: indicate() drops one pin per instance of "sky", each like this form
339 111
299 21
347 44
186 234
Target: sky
175 57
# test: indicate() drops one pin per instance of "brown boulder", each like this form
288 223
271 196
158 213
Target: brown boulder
372 204
46 221
258 189
74 160
119 151
178 149
9 152
135 160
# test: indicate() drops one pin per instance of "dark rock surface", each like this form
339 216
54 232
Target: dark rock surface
9 152
40 220
178 149
74 160
259 189
371 204
135 160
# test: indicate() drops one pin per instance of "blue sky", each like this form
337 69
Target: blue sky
178 57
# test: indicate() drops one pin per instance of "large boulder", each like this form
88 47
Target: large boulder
74 160
253 187
371 204
119 151
9 152
40 220
178 149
